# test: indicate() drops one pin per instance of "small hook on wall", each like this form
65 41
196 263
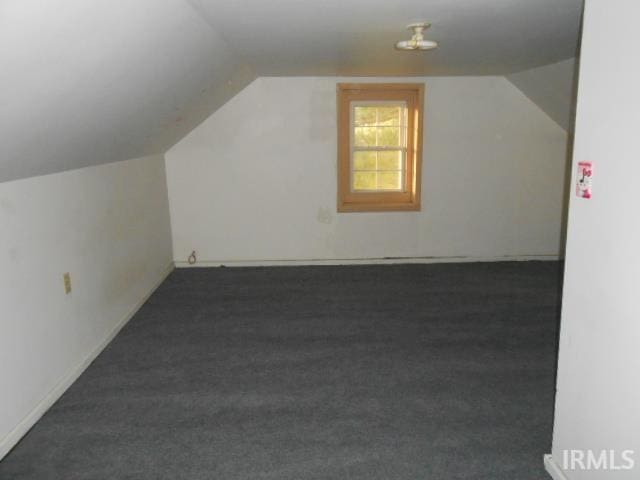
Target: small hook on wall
192 258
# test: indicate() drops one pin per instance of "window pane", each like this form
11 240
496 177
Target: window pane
364 160
389 116
389 136
364 180
389 180
390 160
365 136
365 115
378 126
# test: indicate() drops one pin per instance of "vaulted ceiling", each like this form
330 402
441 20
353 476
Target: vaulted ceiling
90 82
552 88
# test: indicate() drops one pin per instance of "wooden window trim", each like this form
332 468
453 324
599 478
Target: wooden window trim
407 200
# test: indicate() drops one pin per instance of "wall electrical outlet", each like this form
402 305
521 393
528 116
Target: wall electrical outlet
67 283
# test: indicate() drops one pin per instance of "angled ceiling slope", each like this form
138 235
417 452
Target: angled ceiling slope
85 83
552 88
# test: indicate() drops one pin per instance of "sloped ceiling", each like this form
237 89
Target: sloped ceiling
90 82
552 88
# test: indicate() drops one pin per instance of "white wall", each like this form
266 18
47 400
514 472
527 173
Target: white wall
109 227
598 386
257 180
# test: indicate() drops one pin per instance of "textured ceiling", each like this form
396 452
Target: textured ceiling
89 82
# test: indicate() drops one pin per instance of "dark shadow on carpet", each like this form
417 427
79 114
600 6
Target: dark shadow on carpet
363 372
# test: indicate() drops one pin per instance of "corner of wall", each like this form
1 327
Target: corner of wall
552 88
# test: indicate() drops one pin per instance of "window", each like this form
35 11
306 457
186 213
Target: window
379 146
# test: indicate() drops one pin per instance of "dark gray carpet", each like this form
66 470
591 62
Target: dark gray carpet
366 372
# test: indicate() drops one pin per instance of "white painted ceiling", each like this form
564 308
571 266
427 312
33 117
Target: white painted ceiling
357 37
90 82
87 82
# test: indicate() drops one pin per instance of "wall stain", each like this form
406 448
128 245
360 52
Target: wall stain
325 215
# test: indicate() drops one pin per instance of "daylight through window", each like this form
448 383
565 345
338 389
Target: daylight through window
379 146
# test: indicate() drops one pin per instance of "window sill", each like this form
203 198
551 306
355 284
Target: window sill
378 207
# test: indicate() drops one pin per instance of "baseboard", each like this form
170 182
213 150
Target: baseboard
361 261
553 468
8 442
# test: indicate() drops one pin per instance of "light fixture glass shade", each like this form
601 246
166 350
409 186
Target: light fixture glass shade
416 45
417 41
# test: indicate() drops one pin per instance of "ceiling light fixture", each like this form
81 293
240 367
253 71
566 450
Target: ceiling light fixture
417 41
